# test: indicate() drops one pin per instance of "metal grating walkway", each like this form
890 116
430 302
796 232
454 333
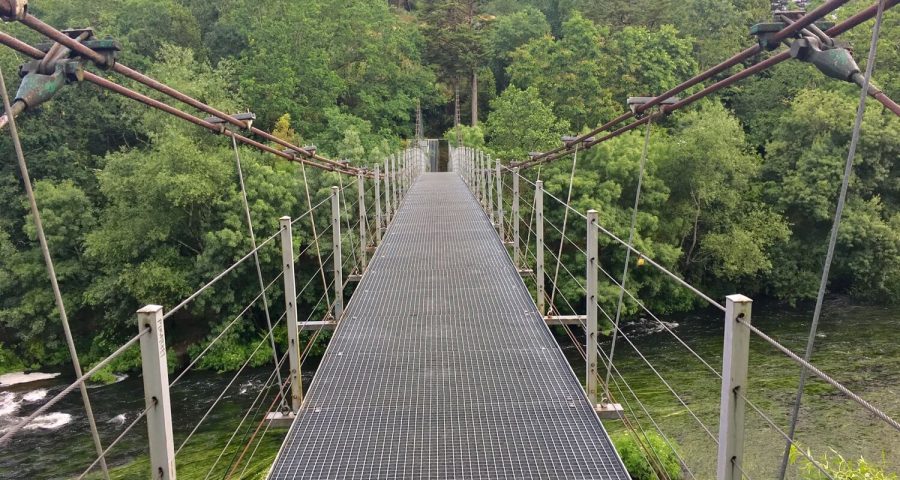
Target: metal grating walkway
442 367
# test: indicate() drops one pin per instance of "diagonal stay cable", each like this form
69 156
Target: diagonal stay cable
220 276
78 382
51 272
221 334
631 231
828 379
118 439
637 252
563 232
259 276
836 224
312 222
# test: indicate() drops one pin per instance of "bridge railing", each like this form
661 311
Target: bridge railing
358 213
572 300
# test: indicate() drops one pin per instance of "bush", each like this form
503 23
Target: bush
635 459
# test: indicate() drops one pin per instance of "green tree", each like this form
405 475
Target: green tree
520 123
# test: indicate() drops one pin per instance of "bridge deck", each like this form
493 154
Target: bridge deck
442 367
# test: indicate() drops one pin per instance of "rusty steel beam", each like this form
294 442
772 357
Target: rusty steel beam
30 51
850 23
101 61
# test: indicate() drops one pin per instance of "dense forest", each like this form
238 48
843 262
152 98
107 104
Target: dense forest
141 208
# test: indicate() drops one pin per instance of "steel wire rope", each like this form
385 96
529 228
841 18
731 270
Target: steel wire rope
224 391
51 272
563 232
640 254
312 222
832 240
234 433
219 276
822 375
221 334
246 204
644 447
79 381
631 231
686 346
116 440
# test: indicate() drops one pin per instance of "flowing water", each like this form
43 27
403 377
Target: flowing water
860 346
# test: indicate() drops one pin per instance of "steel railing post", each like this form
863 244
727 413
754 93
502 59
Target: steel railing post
290 308
388 211
336 253
735 357
515 217
489 171
363 221
378 220
539 247
396 205
591 307
155 367
500 227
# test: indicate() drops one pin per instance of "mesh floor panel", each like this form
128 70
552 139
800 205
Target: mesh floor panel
442 368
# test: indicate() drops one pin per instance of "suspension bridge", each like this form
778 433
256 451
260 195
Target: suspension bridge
442 363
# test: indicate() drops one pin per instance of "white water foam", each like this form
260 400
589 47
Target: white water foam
35 395
50 421
118 419
8 404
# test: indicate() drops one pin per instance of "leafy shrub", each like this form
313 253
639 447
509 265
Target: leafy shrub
635 459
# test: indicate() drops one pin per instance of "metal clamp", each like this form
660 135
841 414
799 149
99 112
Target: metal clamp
13 10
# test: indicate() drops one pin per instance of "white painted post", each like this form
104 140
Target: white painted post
591 297
290 307
378 223
387 193
363 221
396 205
155 368
735 357
500 227
482 171
338 260
490 187
539 247
515 217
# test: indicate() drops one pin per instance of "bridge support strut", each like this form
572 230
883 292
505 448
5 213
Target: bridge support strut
735 357
539 247
290 306
155 368
591 307
336 251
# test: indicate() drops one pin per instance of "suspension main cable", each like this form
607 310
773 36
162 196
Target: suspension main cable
794 27
101 61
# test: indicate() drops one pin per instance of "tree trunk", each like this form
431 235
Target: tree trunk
474 97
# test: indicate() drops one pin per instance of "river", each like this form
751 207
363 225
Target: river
858 345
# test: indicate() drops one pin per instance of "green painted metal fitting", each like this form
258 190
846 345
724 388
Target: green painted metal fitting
37 88
835 62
